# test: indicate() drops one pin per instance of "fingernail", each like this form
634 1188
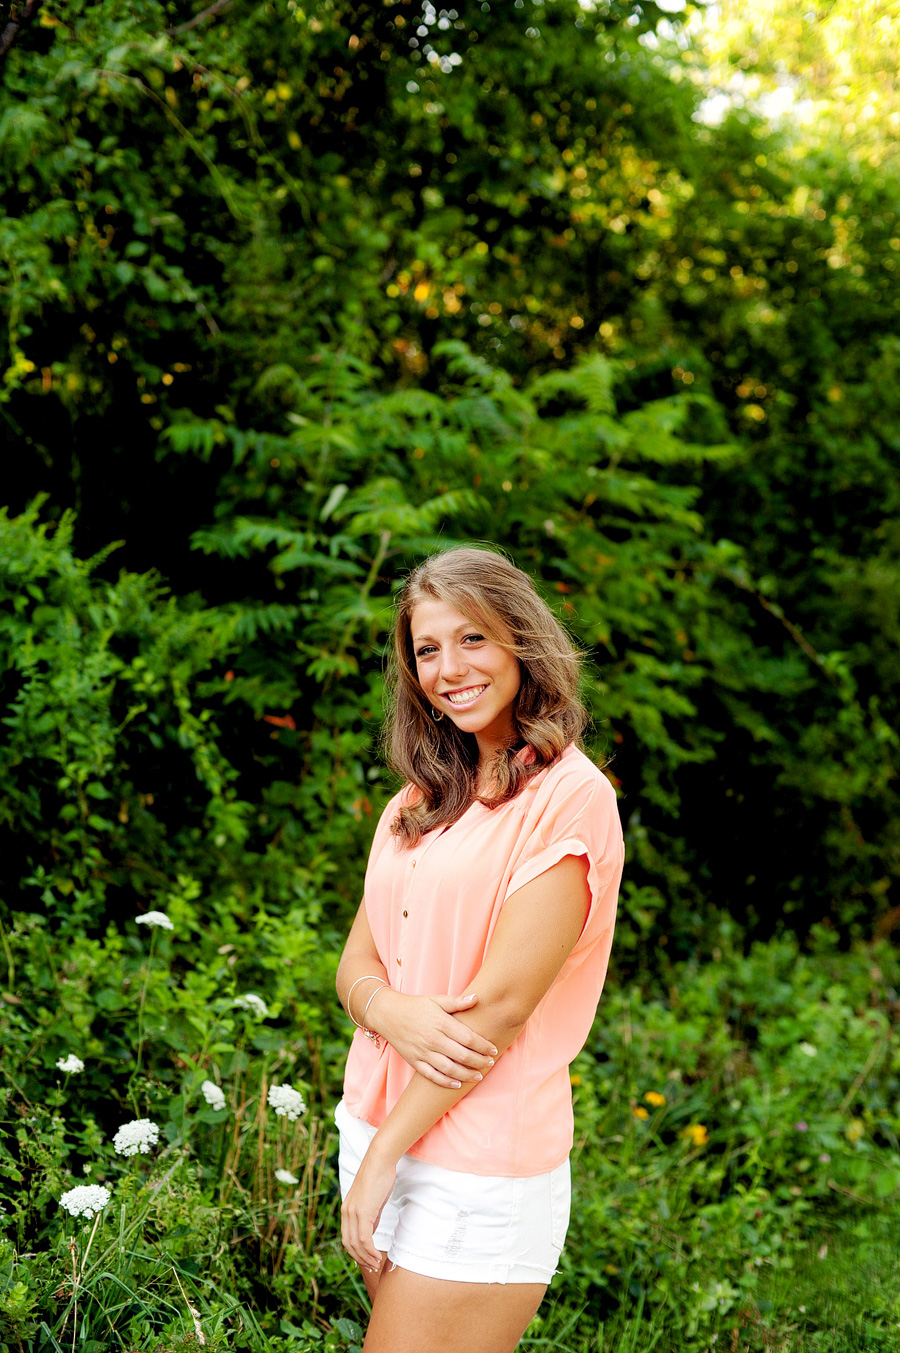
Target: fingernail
494 1052
457 1085
478 1075
490 1061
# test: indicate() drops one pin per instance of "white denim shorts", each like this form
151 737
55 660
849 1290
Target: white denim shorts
470 1228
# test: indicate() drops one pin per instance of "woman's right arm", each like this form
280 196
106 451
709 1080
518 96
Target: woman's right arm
421 1028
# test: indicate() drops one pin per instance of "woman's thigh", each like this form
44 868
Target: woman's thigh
414 1314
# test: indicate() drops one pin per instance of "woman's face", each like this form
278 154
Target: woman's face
469 678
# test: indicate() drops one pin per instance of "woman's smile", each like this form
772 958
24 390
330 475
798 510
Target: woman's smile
465 698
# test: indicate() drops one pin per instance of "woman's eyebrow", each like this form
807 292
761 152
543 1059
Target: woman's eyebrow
460 629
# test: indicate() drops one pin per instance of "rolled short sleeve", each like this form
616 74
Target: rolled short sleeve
577 814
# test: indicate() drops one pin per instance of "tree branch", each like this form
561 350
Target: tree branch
15 22
217 7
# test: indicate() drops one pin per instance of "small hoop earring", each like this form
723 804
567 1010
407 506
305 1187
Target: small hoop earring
437 714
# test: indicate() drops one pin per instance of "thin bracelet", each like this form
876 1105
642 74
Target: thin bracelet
370 1033
369 977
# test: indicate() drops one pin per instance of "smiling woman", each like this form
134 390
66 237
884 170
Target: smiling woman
474 966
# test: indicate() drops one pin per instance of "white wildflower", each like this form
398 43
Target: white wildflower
213 1095
155 918
71 1065
138 1135
255 1004
85 1200
287 1101
809 1049
285 1177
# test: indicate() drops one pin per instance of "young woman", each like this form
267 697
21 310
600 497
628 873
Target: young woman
474 965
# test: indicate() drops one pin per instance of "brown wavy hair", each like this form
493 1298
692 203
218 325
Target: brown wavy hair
436 758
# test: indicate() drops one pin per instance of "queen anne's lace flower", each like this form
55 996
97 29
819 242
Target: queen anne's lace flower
285 1177
255 1004
286 1101
138 1135
85 1200
71 1064
155 918
213 1095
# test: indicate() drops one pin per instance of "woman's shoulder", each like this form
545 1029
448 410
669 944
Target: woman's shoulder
571 770
405 797
571 788
387 817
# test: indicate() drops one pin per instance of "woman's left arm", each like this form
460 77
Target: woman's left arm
536 931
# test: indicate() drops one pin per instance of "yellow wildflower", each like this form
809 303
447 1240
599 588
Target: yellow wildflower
695 1133
855 1129
574 1079
655 1098
640 1112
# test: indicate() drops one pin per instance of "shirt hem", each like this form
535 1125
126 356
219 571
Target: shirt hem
494 1170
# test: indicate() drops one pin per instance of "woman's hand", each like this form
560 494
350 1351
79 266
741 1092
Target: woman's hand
363 1205
426 1035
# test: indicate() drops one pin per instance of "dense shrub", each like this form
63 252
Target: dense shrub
197 203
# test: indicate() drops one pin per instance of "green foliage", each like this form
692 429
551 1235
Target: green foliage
205 1223
87 668
719 1136
119 781
733 1144
194 208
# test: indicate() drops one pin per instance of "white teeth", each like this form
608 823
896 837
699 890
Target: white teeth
463 697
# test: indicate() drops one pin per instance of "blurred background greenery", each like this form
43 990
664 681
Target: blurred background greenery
293 295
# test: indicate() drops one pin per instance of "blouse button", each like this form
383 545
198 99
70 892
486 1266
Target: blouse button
413 864
406 913
399 964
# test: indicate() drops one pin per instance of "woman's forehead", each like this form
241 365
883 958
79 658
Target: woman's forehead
432 613
431 616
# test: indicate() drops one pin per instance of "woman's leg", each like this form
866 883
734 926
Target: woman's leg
412 1314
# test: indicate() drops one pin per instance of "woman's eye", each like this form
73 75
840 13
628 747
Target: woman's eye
474 638
424 652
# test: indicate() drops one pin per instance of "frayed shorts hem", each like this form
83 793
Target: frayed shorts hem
467 1273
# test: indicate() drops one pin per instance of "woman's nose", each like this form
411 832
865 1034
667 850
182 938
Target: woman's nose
453 663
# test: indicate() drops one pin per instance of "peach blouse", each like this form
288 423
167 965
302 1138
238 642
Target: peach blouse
432 911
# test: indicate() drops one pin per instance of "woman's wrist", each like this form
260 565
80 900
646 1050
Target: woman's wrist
376 1008
386 1147
359 994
